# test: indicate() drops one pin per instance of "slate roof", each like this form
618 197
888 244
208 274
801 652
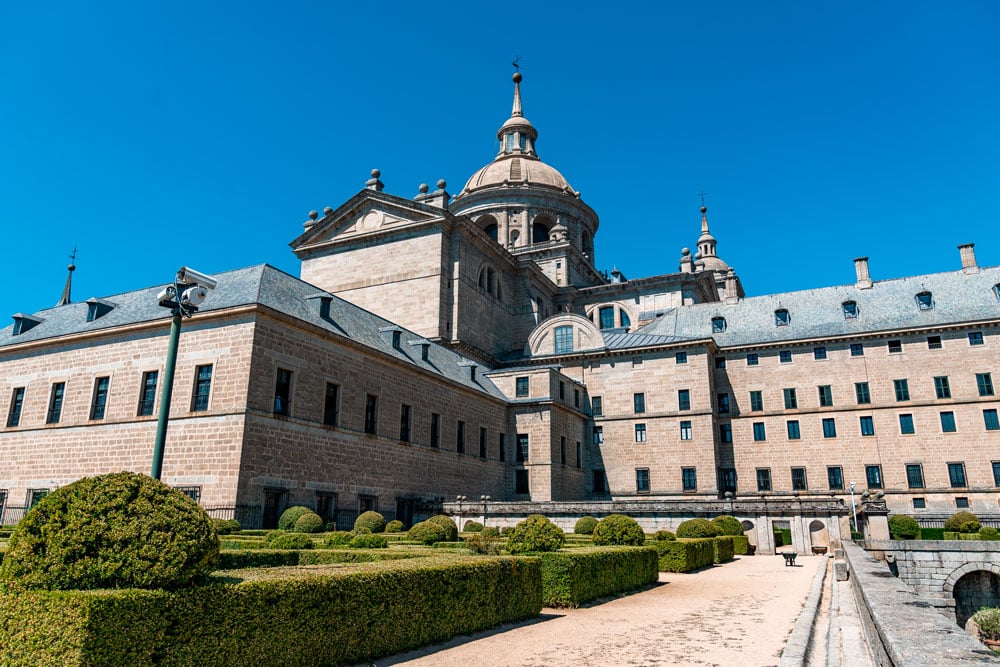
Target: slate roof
266 285
619 340
889 305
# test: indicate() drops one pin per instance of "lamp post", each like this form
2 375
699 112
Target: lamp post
188 291
485 499
854 509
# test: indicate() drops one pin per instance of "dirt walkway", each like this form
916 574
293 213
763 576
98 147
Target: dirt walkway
738 614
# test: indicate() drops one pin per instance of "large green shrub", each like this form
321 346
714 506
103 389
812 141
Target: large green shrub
226 526
490 531
989 533
369 542
338 538
619 530
310 522
395 526
291 541
535 534
956 522
373 521
696 528
727 525
427 532
971 527
987 620
472 526
449 525
664 536
685 555
903 527
572 577
122 530
288 518
585 525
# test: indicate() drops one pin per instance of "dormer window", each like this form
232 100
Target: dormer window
850 310
925 301
996 291
781 317
97 308
718 324
23 323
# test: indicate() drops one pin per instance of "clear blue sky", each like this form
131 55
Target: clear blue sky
152 135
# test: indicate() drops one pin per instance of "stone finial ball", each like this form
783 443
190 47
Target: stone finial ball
685 251
441 184
376 173
517 77
423 187
704 209
313 215
327 210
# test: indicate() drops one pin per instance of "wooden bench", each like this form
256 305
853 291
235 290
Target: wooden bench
789 557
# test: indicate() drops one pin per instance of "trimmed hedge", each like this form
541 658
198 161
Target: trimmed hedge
291 541
685 555
932 533
741 545
722 548
572 577
328 618
242 560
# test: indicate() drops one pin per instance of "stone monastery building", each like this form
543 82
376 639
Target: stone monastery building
466 345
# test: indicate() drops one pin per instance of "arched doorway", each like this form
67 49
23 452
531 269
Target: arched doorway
976 589
819 536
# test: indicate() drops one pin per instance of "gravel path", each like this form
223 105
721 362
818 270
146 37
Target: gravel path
740 614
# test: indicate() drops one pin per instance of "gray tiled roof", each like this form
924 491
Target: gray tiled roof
888 306
620 340
268 286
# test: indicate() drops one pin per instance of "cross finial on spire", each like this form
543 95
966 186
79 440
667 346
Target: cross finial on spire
702 195
517 63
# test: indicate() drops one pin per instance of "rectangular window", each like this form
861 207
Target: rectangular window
956 475
996 473
576 398
785 356
562 450
942 388
753 359
35 496
862 392
404 422
371 414
642 480
857 349
723 403
819 353
947 422
975 338
681 357
914 476
597 406
562 391
873 475
685 430
147 397
799 479
639 403
919 503
563 339
902 388
521 482
725 433
283 392
689 479
331 404
192 492
759 434
829 427
793 430
991 420
326 505
683 399
867 426
460 437
835 478
522 447
791 401
483 442
598 435
934 342
607 316
100 400
521 385
55 403
3 500
962 503
579 455
984 382
202 388
502 447
906 424
435 430
600 484
756 401
895 346
16 404
720 362
825 395
640 433
763 479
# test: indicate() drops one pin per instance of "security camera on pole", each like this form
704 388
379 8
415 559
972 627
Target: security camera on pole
188 291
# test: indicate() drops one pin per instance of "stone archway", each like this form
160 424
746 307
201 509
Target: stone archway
974 589
750 531
819 535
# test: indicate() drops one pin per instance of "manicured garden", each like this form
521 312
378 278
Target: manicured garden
121 569
959 526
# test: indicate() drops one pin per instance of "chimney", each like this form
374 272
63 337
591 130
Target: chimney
968 254
732 293
861 268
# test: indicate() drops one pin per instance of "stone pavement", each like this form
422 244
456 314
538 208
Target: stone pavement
740 613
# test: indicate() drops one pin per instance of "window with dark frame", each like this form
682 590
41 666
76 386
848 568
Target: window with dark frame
147 397
919 503
785 357
640 433
895 346
460 437
720 362
984 384
598 435
521 386
948 422
850 310
906 424
725 433
914 476
942 388
435 430
579 455
925 301
685 430
956 475
326 505
562 390
502 447
756 401
857 349
759 432
799 479
522 447
723 401
793 429
99 402
962 503
718 324
990 419
483 443
599 485
16 405
996 473
689 479
873 476
642 480
405 413
835 478
202 388
597 406
681 358
825 395
781 317
753 359
562 450
867 425
829 427
902 389
283 392
371 414
331 406
862 393
683 399
791 401
192 492
639 403
819 353
55 403
763 479
563 339
975 338
934 342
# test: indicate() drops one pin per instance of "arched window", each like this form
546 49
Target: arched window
925 301
488 224
781 317
718 324
626 322
850 309
607 315
539 233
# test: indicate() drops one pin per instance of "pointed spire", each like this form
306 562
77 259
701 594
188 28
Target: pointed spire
516 110
66 299
704 219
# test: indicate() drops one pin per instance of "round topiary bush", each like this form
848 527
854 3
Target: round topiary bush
395 526
290 541
696 528
310 522
369 542
427 532
373 521
226 526
903 527
953 524
472 527
665 536
288 518
449 525
536 533
122 530
727 525
585 525
618 529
